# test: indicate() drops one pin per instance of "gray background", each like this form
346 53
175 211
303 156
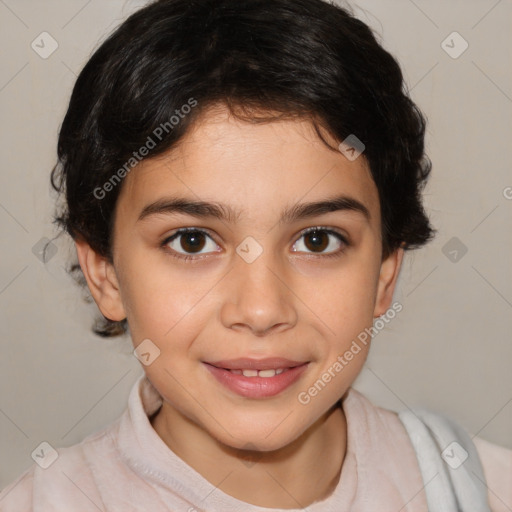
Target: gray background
449 349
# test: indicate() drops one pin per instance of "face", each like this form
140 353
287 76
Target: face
272 255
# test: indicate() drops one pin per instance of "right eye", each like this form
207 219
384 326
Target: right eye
191 241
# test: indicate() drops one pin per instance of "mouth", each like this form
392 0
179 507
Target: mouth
255 378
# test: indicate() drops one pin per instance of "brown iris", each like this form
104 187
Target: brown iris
319 240
192 241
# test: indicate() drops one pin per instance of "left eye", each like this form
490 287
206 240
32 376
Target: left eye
317 240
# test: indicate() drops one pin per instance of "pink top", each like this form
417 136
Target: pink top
127 467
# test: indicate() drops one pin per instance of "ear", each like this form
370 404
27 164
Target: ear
102 281
389 271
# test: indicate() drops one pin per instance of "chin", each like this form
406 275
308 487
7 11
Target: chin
254 444
262 438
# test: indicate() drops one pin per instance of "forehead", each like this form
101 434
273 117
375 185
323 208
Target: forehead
255 168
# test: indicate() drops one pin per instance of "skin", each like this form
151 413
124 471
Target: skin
293 301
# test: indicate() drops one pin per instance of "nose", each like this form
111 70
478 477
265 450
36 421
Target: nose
259 297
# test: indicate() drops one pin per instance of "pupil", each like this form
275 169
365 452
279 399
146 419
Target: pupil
194 240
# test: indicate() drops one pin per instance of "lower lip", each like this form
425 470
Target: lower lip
257 387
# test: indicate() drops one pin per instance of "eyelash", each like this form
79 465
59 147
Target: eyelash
189 259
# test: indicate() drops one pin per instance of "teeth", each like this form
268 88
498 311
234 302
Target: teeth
267 373
259 373
250 373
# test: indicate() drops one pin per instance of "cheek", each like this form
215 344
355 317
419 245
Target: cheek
160 300
345 308
344 299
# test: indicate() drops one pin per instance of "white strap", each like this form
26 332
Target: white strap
457 486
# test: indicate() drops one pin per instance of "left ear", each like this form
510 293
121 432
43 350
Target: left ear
389 271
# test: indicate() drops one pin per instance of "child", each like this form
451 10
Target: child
208 148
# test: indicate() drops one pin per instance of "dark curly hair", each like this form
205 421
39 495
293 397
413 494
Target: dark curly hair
285 59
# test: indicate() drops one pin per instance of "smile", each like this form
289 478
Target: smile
262 379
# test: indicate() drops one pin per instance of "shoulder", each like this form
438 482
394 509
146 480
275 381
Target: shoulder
379 421
17 496
386 461
497 463
379 432
63 479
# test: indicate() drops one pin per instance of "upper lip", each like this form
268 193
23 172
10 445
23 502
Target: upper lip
245 363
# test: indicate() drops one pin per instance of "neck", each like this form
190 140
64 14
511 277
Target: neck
294 476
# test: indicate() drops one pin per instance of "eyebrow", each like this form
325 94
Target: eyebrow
205 209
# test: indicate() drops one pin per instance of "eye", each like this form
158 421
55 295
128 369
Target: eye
319 239
191 241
